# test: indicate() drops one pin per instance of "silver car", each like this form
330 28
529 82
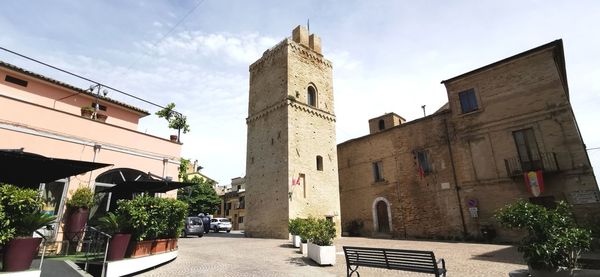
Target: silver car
219 223
193 226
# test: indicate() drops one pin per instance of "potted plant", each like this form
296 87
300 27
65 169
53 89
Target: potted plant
78 211
118 227
22 217
176 120
293 225
553 241
101 117
304 231
87 111
321 233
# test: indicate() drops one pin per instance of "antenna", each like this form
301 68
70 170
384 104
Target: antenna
423 107
308 24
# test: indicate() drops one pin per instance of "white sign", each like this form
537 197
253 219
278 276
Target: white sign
473 211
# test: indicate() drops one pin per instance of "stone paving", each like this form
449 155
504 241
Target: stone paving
234 255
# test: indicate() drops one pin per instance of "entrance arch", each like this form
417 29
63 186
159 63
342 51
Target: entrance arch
382 215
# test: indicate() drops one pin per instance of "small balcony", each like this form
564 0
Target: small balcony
547 163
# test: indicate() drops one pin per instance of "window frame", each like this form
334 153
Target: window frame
319 161
311 96
470 102
377 167
422 157
381 124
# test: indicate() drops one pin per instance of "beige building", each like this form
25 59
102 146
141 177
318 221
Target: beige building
233 203
508 132
291 164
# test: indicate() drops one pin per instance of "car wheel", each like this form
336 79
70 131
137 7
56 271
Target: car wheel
200 235
216 229
184 234
228 231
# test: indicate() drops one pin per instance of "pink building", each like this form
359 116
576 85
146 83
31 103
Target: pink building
44 116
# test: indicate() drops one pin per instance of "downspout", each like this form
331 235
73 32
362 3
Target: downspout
462 215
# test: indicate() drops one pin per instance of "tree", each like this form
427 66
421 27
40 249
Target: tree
201 197
176 120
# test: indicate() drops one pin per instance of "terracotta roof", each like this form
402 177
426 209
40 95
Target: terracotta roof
71 87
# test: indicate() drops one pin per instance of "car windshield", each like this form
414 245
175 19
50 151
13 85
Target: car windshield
195 221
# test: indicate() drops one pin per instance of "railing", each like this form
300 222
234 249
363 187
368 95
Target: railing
97 247
547 163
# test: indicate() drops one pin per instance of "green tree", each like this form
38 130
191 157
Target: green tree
201 197
176 120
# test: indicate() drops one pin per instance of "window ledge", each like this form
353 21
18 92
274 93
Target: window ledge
471 112
380 182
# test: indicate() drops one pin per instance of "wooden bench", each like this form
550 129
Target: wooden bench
407 260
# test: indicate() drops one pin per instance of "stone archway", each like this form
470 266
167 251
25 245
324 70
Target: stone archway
382 215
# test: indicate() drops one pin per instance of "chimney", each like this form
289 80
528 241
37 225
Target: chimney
314 42
300 35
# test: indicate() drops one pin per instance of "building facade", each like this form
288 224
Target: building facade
233 203
291 164
508 132
51 118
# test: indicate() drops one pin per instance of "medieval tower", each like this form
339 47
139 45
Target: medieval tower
291 162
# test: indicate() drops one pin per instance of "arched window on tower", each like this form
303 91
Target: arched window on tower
381 124
319 163
311 96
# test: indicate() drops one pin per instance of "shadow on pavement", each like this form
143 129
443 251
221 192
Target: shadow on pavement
505 255
287 245
302 261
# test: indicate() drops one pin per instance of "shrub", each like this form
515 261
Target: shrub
83 197
553 239
321 231
113 223
20 212
293 226
304 225
153 218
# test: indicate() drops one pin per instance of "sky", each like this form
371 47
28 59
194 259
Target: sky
388 56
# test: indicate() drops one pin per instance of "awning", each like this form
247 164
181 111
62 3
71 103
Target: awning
29 170
132 180
148 186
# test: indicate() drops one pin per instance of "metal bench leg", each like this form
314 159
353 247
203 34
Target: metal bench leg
350 270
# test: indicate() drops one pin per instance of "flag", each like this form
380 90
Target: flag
534 182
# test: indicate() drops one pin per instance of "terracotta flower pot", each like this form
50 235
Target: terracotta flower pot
173 137
19 253
118 247
76 221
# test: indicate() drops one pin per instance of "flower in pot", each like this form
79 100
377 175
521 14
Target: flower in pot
87 111
321 233
293 228
22 217
553 241
176 120
79 204
116 225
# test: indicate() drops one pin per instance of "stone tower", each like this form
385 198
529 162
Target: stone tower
291 163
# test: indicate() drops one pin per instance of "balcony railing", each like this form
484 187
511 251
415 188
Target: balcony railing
547 163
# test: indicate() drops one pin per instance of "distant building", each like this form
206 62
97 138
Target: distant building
508 132
233 203
291 162
51 118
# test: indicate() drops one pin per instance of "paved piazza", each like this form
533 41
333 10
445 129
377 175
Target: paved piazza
222 254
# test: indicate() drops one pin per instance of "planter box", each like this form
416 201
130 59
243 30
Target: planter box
159 246
296 241
322 255
117 247
304 249
172 244
141 248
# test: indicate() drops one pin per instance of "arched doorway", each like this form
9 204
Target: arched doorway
382 215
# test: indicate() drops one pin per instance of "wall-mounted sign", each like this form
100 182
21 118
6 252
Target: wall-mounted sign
473 212
534 182
585 197
472 203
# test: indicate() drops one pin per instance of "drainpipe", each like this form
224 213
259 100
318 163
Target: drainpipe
462 215
97 148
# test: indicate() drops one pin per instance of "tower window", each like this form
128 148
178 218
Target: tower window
311 96
319 163
378 171
381 124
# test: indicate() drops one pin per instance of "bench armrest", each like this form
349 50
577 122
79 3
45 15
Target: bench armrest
443 263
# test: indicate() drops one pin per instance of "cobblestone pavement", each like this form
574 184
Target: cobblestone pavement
234 255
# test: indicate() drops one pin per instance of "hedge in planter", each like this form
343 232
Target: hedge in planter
321 233
294 229
553 239
153 218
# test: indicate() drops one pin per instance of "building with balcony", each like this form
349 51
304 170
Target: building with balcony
233 203
48 117
508 132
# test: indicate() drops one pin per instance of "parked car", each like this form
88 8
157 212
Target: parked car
217 224
193 226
